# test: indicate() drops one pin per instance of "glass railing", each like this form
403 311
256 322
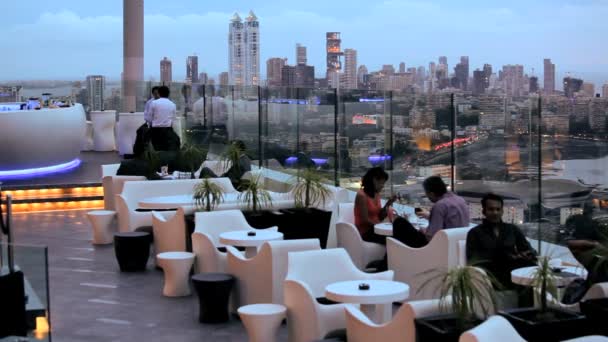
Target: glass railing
546 155
32 262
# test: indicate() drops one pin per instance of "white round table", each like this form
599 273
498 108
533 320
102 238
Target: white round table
251 243
525 275
376 302
101 220
384 228
176 201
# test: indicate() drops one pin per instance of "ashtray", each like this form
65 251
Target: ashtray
363 286
250 233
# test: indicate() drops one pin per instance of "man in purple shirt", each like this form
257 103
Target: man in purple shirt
449 211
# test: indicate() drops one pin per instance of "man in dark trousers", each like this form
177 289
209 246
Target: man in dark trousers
162 113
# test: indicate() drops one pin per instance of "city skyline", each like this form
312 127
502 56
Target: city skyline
501 40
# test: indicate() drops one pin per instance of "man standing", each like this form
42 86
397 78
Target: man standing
147 114
496 246
162 113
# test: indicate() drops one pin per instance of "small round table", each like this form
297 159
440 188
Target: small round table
251 243
383 228
262 321
101 220
376 302
176 267
525 275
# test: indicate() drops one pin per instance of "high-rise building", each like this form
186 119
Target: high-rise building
605 90
95 85
487 72
133 55
443 60
350 68
273 71
288 76
305 76
10 94
300 55
533 85
224 78
588 89
513 79
166 73
571 86
334 65
461 72
192 69
362 72
388 69
244 50
549 77
478 82
252 50
236 51
203 78
401 67
420 76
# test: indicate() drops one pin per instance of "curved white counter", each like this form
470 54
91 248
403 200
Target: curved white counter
32 139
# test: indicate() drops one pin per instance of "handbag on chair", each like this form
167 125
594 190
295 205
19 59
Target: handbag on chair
12 284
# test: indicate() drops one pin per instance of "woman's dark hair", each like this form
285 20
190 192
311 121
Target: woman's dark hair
368 180
491 197
163 91
435 185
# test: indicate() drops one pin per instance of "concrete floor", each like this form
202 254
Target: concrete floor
91 300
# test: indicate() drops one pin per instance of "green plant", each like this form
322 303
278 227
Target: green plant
467 291
253 195
191 156
152 157
543 281
309 189
207 195
232 156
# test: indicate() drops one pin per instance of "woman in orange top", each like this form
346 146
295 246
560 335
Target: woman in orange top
368 210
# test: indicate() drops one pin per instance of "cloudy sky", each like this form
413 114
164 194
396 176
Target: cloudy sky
68 39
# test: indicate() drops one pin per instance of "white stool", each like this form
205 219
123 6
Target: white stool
101 220
176 266
262 321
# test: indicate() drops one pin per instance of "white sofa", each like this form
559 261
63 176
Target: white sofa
414 266
308 274
113 184
134 191
260 279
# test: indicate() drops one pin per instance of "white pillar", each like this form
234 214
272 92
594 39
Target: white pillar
133 53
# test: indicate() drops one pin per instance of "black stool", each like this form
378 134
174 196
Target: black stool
213 291
132 250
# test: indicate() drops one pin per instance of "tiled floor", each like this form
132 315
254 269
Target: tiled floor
92 301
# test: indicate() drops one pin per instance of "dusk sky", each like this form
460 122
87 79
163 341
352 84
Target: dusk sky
68 39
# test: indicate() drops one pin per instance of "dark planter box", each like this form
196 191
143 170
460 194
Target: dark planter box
262 219
596 311
305 223
441 328
562 325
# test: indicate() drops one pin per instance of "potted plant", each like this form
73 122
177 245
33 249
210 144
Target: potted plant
207 195
235 162
256 198
546 323
466 297
191 156
305 221
153 162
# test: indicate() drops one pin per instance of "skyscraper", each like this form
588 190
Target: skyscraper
462 72
244 50
361 77
166 73
549 77
95 85
487 72
273 71
133 54
300 55
478 82
333 58
224 78
533 87
192 69
605 90
236 51
252 50
513 79
401 67
350 69
572 85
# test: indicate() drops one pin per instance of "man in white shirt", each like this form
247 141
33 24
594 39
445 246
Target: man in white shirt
162 113
147 114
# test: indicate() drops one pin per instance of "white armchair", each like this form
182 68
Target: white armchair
260 279
169 230
206 237
599 290
359 328
410 263
348 237
308 276
495 328
113 184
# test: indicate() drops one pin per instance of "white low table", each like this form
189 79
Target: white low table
525 275
176 201
376 302
176 267
386 228
251 243
101 220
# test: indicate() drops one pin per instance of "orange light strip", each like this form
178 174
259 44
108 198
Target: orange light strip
35 193
51 206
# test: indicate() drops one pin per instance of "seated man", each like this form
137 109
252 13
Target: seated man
496 246
449 211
